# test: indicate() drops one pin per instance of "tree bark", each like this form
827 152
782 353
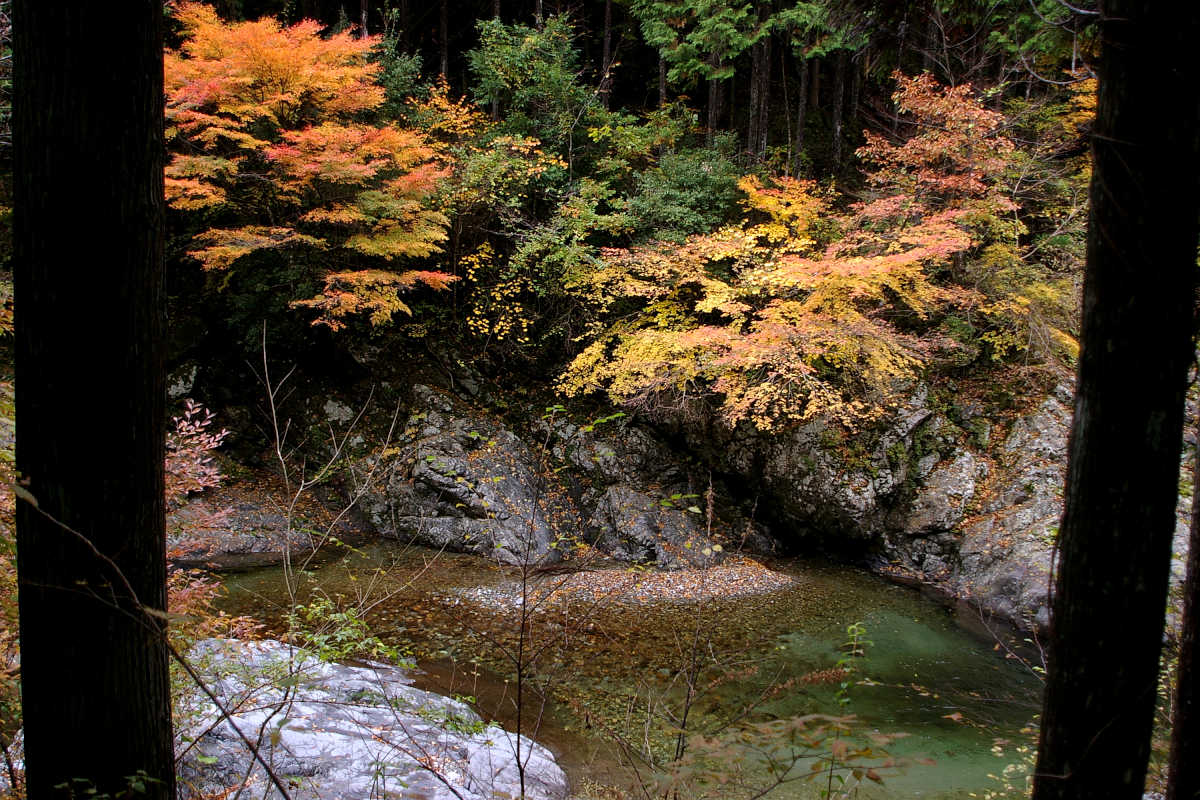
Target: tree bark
838 102
1121 490
662 81
88 268
1183 767
764 93
364 9
801 111
606 56
714 107
754 117
444 38
814 84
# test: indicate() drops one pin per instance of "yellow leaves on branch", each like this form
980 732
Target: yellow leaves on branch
375 293
266 125
759 316
222 247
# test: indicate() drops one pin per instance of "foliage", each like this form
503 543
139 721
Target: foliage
333 633
270 156
690 191
781 327
189 464
698 38
534 75
803 311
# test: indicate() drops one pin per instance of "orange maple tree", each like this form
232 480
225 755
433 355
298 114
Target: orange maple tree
270 149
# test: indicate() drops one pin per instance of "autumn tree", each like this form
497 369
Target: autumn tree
1137 344
88 149
802 311
272 153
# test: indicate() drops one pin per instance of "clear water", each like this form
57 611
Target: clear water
606 676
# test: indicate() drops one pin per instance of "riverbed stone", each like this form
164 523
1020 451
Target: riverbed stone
347 732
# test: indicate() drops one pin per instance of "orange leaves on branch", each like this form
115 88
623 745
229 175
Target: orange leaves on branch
227 76
266 125
221 247
375 293
957 152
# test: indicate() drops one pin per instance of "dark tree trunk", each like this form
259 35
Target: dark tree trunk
714 107
838 102
606 58
662 80
753 117
856 81
931 39
1121 491
1183 768
364 10
538 15
444 38
801 111
764 94
88 267
814 84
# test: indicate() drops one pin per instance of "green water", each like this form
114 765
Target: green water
609 673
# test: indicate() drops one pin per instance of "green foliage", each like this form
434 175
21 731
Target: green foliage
698 38
690 191
334 633
533 75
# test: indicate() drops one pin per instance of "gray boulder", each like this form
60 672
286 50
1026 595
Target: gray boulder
353 733
460 479
633 526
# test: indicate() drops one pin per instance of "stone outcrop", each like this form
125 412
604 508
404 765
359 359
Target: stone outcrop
353 733
460 478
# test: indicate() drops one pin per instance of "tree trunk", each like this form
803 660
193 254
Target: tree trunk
931 38
839 98
1183 768
88 267
662 80
444 38
606 56
364 9
753 117
764 94
814 85
1122 478
856 81
714 106
801 111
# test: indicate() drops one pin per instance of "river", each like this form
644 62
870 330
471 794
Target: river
606 681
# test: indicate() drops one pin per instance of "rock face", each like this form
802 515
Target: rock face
331 731
459 478
247 522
